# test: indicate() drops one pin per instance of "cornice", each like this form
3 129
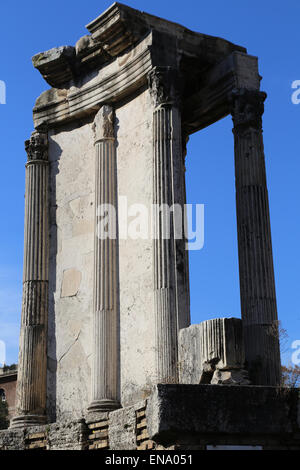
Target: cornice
114 60
115 31
121 77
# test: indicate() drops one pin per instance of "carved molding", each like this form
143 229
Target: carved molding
247 108
112 33
113 82
37 147
120 79
164 86
103 126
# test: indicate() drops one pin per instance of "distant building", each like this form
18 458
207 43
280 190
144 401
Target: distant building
8 383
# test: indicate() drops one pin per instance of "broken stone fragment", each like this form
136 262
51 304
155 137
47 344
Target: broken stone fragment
56 65
83 43
230 377
212 352
208 369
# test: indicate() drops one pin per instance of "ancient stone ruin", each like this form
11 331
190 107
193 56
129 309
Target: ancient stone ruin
108 358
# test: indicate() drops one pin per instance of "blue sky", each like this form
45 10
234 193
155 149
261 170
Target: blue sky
272 34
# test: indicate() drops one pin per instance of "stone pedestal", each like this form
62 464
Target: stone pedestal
105 375
32 367
257 284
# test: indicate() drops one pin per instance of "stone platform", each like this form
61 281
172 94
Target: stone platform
178 417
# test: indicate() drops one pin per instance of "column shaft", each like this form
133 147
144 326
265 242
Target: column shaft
32 368
257 283
171 299
105 376
164 253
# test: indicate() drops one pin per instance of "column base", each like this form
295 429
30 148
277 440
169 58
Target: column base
100 406
24 421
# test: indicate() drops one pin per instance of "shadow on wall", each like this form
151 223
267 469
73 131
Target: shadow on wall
55 151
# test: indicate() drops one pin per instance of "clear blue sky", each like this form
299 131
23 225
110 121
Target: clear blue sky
269 30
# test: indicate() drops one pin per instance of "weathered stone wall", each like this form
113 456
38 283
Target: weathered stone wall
71 155
134 160
72 160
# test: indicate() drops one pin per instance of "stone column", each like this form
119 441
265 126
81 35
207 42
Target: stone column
106 363
32 368
257 284
169 304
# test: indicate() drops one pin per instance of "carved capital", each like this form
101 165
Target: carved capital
37 146
247 108
103 126
164 86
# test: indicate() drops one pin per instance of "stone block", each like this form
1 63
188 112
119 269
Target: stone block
191 414
122 429
68 435
212 345
12 439
70 283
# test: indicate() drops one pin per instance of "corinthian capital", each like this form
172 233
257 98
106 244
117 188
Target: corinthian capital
37 146
247 108
103 126
164 86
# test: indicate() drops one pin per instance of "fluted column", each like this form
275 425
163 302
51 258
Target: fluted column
32 368
171 311
257 284
105 375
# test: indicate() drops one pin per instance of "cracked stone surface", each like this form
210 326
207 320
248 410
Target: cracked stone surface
134 159
72 160
71 154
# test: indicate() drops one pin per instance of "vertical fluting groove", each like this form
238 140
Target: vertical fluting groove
257 282
32 370
105 374
220 342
